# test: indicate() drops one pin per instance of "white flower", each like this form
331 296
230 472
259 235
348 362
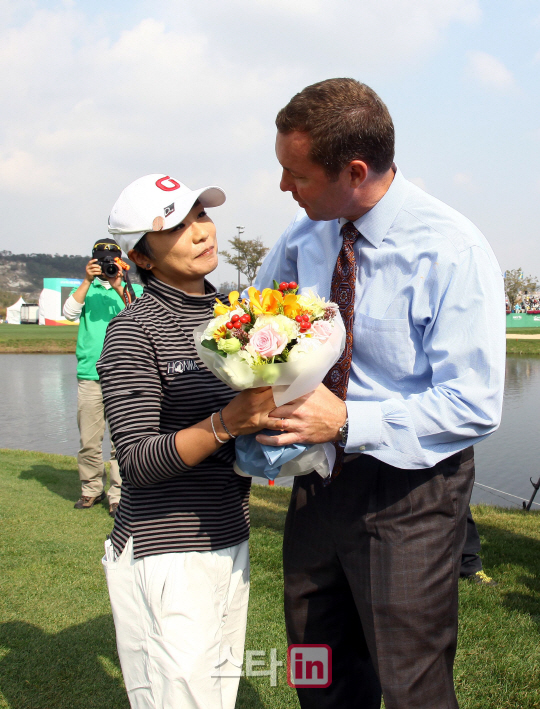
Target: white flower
214 325
238 370
249 355
312 302
304 347
280 323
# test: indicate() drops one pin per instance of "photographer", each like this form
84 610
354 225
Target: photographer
100 297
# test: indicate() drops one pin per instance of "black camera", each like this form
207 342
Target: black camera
108 267
106 252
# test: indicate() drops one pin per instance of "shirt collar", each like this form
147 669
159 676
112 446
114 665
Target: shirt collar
176 298
374 225
101 282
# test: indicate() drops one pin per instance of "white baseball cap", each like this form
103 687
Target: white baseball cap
153 203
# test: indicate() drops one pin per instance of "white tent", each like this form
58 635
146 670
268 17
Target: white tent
13 313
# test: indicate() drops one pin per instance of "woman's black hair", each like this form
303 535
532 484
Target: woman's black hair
143 247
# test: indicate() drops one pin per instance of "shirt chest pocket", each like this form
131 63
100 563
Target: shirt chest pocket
383 347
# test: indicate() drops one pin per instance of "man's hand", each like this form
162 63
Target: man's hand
93 269
116 282
314 418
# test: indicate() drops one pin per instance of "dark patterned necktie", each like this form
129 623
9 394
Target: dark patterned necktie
342 293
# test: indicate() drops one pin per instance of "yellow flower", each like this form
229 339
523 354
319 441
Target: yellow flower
221 308
219 333
291 306
268 302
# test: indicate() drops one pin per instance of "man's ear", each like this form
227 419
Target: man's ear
358 172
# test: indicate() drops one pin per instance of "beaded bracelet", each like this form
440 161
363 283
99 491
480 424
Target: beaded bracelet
218 439
223 424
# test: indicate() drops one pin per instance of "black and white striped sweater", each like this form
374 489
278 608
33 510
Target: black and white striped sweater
153 385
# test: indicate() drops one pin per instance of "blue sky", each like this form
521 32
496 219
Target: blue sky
94 97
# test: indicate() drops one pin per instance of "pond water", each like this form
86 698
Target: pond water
38 411
38 408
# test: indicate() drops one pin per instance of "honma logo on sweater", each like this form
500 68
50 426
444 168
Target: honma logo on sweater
179 366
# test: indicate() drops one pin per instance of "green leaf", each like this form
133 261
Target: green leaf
276 285
212 345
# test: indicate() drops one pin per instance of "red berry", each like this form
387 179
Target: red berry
306 326
299 318
293 285
245 318
229 325
237 324
235 317
283 286
305 317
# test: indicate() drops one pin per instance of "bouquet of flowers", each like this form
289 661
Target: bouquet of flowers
277 338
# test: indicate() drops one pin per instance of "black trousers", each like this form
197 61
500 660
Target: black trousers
371 566
470 557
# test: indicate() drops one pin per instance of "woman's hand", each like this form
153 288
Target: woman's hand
248 411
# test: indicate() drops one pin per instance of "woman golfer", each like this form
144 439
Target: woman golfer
178 568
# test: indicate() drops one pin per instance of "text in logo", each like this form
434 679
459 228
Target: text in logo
180 366
309 666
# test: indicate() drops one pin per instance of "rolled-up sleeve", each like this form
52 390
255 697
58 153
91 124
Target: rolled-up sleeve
72 309
132 394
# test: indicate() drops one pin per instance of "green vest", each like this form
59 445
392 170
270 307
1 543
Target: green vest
100 306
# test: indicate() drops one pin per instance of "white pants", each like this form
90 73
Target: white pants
180 624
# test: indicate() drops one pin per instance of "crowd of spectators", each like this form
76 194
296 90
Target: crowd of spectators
527 304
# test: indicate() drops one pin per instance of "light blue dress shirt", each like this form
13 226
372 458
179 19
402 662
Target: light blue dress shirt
428 363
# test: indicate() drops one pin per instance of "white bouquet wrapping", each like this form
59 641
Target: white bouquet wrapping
280 339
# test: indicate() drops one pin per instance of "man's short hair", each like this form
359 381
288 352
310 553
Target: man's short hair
345 120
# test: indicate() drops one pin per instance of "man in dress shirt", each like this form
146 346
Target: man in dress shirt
372 560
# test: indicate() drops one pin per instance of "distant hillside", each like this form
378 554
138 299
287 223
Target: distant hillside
24 273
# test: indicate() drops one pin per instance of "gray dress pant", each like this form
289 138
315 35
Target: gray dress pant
371 565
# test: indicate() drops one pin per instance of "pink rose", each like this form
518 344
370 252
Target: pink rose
267 342
321 329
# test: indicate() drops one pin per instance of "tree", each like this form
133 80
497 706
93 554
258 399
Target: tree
228 286
515 284
248 256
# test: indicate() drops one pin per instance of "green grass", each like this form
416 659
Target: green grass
38 338
26 339
523 330
57 647
523 347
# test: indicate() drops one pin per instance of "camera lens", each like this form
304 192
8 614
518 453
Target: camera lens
110 269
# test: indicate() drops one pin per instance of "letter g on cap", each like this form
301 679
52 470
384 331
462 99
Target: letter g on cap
166 188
